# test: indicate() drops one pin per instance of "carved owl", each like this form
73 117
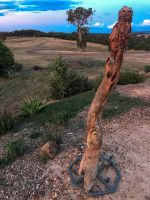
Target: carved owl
120 33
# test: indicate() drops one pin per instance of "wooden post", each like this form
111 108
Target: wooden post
118 42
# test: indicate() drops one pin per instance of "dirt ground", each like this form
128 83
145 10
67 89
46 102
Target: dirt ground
126 137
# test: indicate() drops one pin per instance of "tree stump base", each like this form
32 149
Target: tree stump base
107 180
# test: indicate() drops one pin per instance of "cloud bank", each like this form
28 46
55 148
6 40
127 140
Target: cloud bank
7 6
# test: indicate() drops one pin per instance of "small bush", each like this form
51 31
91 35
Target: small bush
125 78
6 60
14 149
7 122
18 67
31 106
130 78
65 83
147 68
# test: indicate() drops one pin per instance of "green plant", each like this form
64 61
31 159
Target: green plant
6 60
65 83
147 68
14 149
18 67
7 122
130 78
125 78
59 113
31 106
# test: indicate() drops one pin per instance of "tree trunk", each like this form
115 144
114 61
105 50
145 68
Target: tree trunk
118 40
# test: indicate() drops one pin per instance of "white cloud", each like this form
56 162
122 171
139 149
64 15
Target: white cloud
146 22
98 24
112 25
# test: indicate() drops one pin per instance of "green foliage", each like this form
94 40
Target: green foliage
6 60
59 113
147 68
130 78
14 149
7 122
65 83
18 67
31 106
125 78
79 17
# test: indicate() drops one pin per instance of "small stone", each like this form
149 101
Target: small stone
69 133
50 149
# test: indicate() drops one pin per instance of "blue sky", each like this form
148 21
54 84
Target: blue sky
49 15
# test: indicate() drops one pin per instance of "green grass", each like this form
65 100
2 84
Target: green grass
147 68
128 77
90 63
14 90
61 112
13 150
119 104
7 122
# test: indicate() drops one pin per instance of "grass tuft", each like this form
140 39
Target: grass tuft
7 122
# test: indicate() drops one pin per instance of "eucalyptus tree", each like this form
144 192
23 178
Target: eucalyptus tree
80 18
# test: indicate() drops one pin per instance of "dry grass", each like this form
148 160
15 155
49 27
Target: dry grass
42 51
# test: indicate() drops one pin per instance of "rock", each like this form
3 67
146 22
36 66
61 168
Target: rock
50 149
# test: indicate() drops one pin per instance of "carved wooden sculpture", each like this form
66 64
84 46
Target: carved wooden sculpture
118 42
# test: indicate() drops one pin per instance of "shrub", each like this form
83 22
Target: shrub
130 78
125 78
14 149
65 83
7 122
147 68
31 106
6 60
18 67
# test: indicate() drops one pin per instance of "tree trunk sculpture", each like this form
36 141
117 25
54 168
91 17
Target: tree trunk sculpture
118 43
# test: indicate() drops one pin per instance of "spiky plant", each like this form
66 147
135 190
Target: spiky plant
31 106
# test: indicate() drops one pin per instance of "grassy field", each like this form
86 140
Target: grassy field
42 52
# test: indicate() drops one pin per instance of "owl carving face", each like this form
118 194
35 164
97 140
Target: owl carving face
125 14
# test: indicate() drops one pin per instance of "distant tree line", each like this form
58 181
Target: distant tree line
136 41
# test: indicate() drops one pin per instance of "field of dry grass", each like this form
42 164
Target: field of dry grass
42 52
